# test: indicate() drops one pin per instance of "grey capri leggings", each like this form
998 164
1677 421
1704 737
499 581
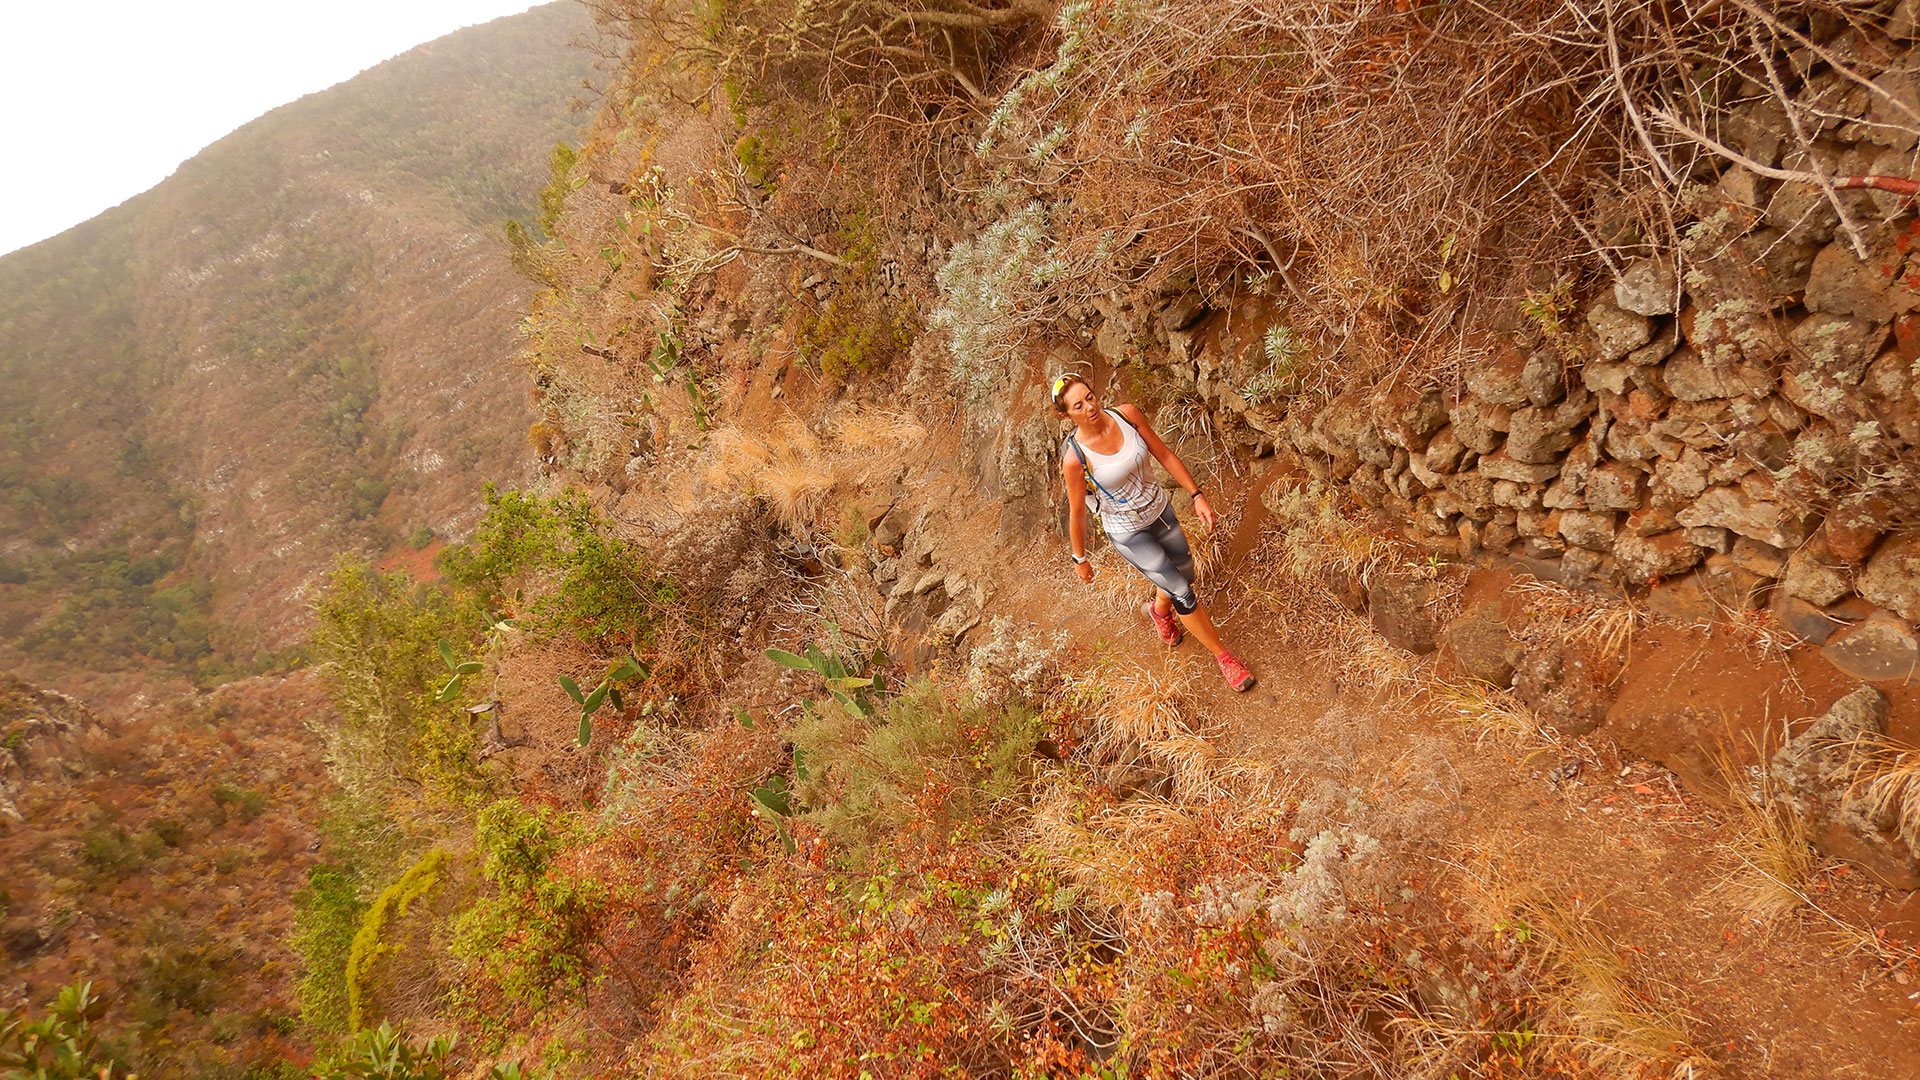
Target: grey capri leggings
1160 551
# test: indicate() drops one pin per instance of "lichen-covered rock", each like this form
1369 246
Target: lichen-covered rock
1544 377
1539 434
1617 331
1481 426
1607 378
1613 486
1651 558
1731 330
1763 559
1855 525
1588 529
1679 480
1816 770
1690 378
1733 508
1892 576
1498 377
1813 576
1648 287
1877 649
1831 354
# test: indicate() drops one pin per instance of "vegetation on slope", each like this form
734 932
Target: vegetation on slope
280 290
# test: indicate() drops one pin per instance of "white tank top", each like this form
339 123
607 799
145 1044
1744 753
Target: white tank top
1132 498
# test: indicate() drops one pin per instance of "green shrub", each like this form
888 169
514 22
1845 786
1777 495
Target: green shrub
922 760
420 537
369 945
530 937
244 803
578 578
63 1044
378 641
109 851
327 914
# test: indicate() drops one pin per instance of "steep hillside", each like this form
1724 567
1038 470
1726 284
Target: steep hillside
296 345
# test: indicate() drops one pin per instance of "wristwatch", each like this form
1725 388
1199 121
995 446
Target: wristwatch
1077 559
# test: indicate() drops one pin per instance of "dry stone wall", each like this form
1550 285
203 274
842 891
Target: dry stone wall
1731 425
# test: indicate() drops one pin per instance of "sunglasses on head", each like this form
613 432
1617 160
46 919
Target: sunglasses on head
1066 379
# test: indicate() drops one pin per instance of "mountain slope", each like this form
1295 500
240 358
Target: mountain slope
292 347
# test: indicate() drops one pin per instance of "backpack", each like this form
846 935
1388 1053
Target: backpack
1093 500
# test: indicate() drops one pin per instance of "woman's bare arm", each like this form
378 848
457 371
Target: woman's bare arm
1073 478
1175 467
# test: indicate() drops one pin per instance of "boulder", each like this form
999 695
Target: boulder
1814 623
1831 355
1710 537
1763 559
1679 480
1503 467
1876 649
1539 434
1588 529
1400 607
1690 378
1613 486
1816 771
1814 575
1661 347
1616 330
1497 378
1856 523
1840 283
1607 378
1648 287
1408 417
1544 378
1733 508
1892 576
1444 451
1570 689
1581 565
1480 645
1888 388
1480 425
1181 312
1650 558
1731 330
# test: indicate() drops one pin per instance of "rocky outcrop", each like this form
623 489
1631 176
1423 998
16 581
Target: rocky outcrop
1816 771
42 734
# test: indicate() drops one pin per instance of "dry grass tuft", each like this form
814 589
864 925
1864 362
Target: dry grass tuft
1776 860
1486 709
1134 703
1601 621
1887 778
1626 1023
866 430
795 488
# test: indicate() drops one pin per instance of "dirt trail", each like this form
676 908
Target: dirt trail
1621 841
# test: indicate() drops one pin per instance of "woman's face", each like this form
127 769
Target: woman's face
1079 403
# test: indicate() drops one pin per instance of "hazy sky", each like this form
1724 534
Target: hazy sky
100 101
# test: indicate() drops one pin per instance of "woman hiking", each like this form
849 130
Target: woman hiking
1110 447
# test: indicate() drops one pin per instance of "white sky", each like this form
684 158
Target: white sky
100 101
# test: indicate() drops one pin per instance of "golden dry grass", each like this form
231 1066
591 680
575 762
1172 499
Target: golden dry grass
1602 621
1887 779
1772 849
1485 709
794 469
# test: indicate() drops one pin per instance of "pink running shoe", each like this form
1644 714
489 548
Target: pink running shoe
1168 626
1236 672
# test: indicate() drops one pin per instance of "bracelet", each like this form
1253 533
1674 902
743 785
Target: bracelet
1197 493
